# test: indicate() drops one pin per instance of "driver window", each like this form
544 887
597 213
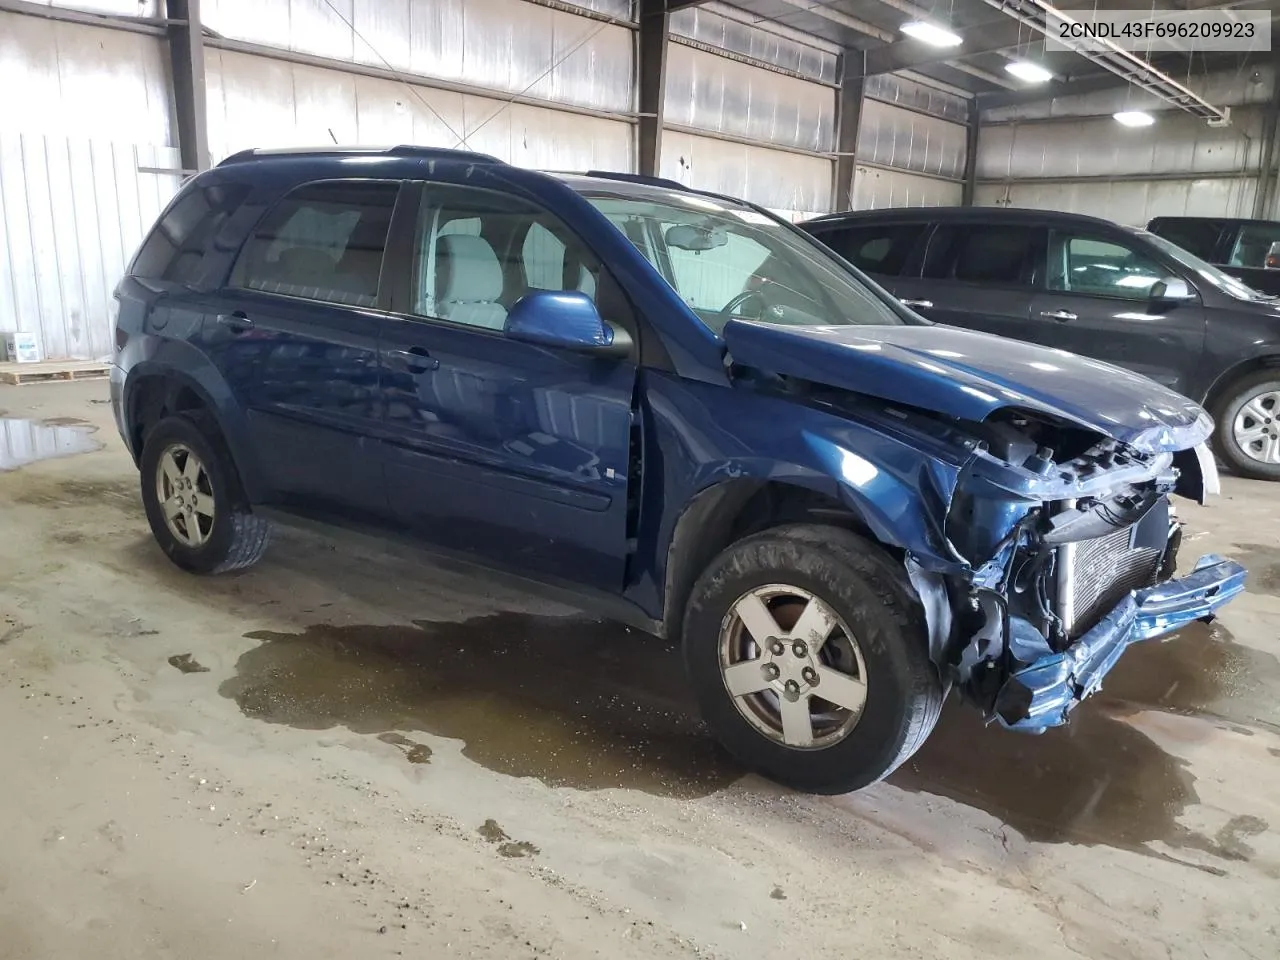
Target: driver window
1091 265
478 251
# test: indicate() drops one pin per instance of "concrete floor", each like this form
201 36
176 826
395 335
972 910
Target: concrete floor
337 754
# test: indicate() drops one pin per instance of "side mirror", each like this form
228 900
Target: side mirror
1273 257
1172 290
566 319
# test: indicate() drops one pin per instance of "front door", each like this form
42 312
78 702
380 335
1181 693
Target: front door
1097 303
297 343
980 276
513 452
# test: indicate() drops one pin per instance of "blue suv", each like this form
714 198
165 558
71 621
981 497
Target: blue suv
680 409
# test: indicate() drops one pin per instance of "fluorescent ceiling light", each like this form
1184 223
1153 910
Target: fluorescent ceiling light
933 35
1134 118
1027 71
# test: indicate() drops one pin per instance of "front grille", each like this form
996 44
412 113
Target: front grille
1094 575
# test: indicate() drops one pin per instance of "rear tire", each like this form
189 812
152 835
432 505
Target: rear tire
1245 433
878 641
193 498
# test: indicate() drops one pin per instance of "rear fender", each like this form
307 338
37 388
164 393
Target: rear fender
180 365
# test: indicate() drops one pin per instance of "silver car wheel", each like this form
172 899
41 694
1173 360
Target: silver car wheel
1256 427
185 493
793 667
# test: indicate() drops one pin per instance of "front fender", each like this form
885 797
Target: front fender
703 442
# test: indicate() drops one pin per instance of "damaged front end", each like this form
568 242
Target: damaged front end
1069 545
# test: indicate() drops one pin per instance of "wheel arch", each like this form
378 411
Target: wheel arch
153 391
726 511
1220 387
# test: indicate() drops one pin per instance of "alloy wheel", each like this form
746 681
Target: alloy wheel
1256 427
793 667
185 493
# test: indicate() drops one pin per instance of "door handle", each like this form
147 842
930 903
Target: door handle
415 360
1060 315
922 304
235 322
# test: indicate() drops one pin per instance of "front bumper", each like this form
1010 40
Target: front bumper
1043 694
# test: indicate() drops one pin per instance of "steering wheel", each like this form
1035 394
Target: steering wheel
730 309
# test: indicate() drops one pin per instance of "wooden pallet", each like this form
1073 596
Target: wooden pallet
55 371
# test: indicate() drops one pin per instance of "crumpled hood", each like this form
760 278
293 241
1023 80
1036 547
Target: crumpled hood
970 375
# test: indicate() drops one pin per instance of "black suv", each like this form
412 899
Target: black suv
1091 287
1248 249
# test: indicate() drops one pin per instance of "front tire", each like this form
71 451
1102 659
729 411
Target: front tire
1246 432
808 653
194 501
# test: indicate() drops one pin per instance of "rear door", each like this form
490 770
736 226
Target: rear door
513 452
979 275
1097 303
296 339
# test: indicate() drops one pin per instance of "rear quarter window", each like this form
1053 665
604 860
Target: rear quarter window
174 251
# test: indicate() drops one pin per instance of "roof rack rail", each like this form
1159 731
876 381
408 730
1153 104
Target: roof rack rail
407 150
640 178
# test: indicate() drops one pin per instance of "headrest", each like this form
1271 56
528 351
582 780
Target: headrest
467 270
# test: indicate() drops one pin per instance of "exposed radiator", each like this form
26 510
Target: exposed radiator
1094 575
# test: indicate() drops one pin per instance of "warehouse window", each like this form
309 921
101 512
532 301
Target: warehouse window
174 251
323 241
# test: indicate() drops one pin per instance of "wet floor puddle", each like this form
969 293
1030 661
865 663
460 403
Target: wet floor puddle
573 702
23 442
1098 779
1263 563
591 705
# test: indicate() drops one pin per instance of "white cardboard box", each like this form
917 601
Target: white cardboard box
21 347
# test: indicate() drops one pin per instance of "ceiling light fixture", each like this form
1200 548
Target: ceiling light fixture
1027 71
931 34
1134 118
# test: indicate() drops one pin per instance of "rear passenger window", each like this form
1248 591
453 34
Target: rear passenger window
175 249
879 249
323 242
999 254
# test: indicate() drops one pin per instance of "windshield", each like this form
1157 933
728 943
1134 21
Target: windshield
1231 286
726 260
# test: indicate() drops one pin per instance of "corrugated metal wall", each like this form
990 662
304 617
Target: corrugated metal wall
503 45
750 108
256 101
774 129
1069 154
911 145
84 116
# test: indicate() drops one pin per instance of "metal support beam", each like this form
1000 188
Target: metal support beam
856 24
1264 195
186 59
848 119
971 155
651 84
907 54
